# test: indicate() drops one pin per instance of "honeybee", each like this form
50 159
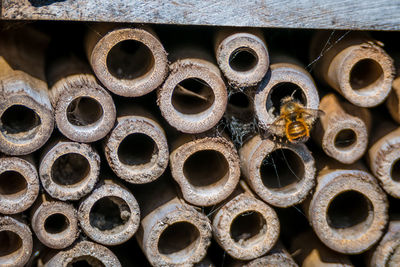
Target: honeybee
295 121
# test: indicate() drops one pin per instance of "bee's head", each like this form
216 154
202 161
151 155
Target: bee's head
286 99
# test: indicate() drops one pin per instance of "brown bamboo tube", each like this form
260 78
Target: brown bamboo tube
206 169
384 158
284 79
393 102
19 184
137 148
69 170
84 110
245 227
193 98
343 130
242 56
171 232
348 210
85 253
128 61
26 114
310 252
387 253
55 223
355 66
15 242
110 215
281 174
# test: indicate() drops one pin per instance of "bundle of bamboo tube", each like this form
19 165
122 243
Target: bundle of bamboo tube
127 145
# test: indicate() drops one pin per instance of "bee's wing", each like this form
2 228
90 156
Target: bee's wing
309 113
278 126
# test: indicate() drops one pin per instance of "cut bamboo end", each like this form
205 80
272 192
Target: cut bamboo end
194 97
242 57
84 110
280 174
129 61
276 257
387 252
16 242
55 223
26 115
206 169
341 132
393 101
348 210
283 80
69 170
110 215
175 234
19 185
384 162
137 149
85 253
246 227
357 67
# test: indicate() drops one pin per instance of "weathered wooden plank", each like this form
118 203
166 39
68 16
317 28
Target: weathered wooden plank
322 14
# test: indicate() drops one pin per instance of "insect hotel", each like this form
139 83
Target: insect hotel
199 133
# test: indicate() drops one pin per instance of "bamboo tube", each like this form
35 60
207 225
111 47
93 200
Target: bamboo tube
137 148
55 223
393 102
69 170
19 184
26 114
84 110
242 56
110 214
384 158
342 131
128 61
284 79
312 253
348 210
245 227
356 66
387 252
193 98
85 253
281 174
206 168
15 242
171 233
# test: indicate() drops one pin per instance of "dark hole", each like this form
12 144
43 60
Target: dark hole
281 168
243 59
239 99
129 60
348 209
365 73
108 213
83 111
282 90
86 261
18 119
177 237
10 242
136 149
12 182
192 96
247 225
345 138
205 167
70 169
395 171
56 223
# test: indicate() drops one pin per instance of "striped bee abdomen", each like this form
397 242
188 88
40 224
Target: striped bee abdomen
296 130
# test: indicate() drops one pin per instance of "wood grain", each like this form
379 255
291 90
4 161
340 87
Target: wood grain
324 14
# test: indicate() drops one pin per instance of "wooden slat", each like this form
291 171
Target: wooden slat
320 14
